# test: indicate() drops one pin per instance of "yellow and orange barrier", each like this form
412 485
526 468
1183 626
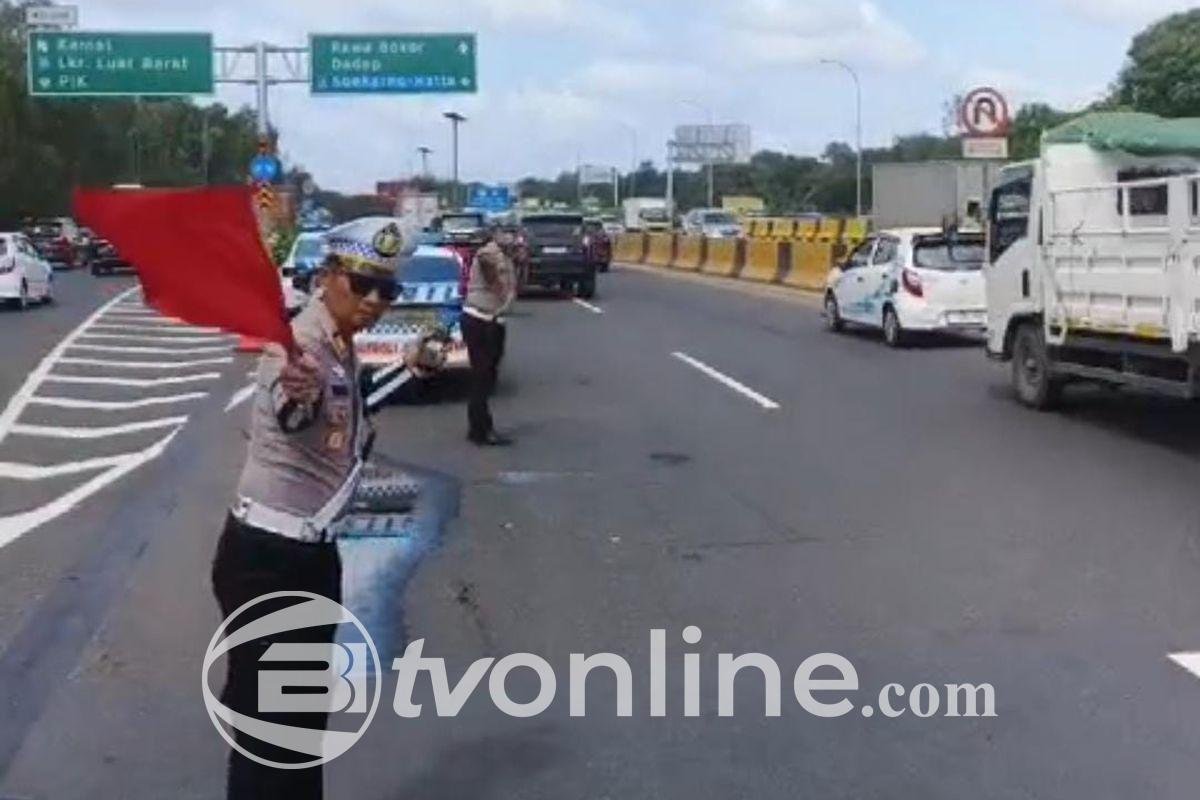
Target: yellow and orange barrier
660 249
689 252
762 260
630 248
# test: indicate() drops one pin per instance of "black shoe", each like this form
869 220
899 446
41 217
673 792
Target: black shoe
491 439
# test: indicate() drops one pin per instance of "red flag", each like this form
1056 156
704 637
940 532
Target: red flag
198 254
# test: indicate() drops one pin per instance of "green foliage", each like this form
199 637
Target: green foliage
1162 75
48 146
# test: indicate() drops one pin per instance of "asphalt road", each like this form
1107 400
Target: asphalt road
896 508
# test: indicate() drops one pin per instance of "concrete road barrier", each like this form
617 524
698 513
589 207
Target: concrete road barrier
724 257
630 248
810 264
660 249
689 252
762 260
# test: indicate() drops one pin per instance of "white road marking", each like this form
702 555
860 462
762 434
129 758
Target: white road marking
104 362
35 472
14 526
148 328
60 432
167 351
17 404
725 380
587 305
115 405
1189 661
239 397
138 337
141 383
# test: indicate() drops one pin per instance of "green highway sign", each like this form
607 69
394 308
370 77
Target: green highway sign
384 63
82 63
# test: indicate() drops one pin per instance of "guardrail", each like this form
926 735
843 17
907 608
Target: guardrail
802 258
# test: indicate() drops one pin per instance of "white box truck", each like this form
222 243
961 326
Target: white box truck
1093 269
646 214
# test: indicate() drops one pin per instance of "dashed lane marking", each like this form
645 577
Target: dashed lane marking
725 380
585 304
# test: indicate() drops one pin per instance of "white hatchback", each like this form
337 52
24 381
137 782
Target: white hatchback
910 280
24 275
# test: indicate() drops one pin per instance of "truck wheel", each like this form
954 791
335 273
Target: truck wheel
893 332
833 315
1031 376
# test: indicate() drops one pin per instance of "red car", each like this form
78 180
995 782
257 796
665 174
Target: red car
58 240
598 244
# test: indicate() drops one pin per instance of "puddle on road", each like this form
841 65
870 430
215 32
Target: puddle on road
377 566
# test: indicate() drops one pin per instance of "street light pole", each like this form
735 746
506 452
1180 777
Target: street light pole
424 151
858 181
455 119
633 170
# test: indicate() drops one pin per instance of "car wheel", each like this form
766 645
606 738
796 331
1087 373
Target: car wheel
1032 379
48 296
833 315
586 288
22 302
893 332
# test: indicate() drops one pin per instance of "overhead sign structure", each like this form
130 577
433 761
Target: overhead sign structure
79 63
592 173
984 119
59 17
392 63
711 144
490 198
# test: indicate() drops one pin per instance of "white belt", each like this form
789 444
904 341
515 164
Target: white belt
477 314
304 529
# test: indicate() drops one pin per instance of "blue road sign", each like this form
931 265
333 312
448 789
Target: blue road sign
490 198
265 168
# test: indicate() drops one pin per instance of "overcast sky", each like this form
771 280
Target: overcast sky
561 80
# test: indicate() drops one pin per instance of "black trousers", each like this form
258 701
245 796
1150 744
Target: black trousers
485 348
250 563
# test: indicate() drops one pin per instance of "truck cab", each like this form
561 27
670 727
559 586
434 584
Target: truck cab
1092 258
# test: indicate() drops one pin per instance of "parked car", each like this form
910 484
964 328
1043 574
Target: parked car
24 275
558 254
598 244
308 251
909 280
712 223
464 232
57 239
429 299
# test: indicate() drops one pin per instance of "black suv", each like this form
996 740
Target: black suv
558 254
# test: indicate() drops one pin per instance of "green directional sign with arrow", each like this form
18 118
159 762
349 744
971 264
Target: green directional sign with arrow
81 63
392 63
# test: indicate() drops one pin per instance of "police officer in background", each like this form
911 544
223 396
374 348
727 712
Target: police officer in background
491 289
308 439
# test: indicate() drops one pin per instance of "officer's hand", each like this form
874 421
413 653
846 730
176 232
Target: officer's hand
300 378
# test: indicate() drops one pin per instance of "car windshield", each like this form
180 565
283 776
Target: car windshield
46 230
458 224
953 255
428 269
307 247
718 218
565 225
653 214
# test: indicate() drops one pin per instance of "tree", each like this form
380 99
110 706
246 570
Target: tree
1162 75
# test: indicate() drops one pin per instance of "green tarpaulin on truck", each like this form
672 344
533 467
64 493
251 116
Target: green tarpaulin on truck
1135 133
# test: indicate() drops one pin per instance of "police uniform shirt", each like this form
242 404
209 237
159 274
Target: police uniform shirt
301 454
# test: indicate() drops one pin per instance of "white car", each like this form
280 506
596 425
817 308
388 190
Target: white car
24 275
910 280
712 223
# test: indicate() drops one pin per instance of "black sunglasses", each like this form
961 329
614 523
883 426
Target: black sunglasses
363 285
